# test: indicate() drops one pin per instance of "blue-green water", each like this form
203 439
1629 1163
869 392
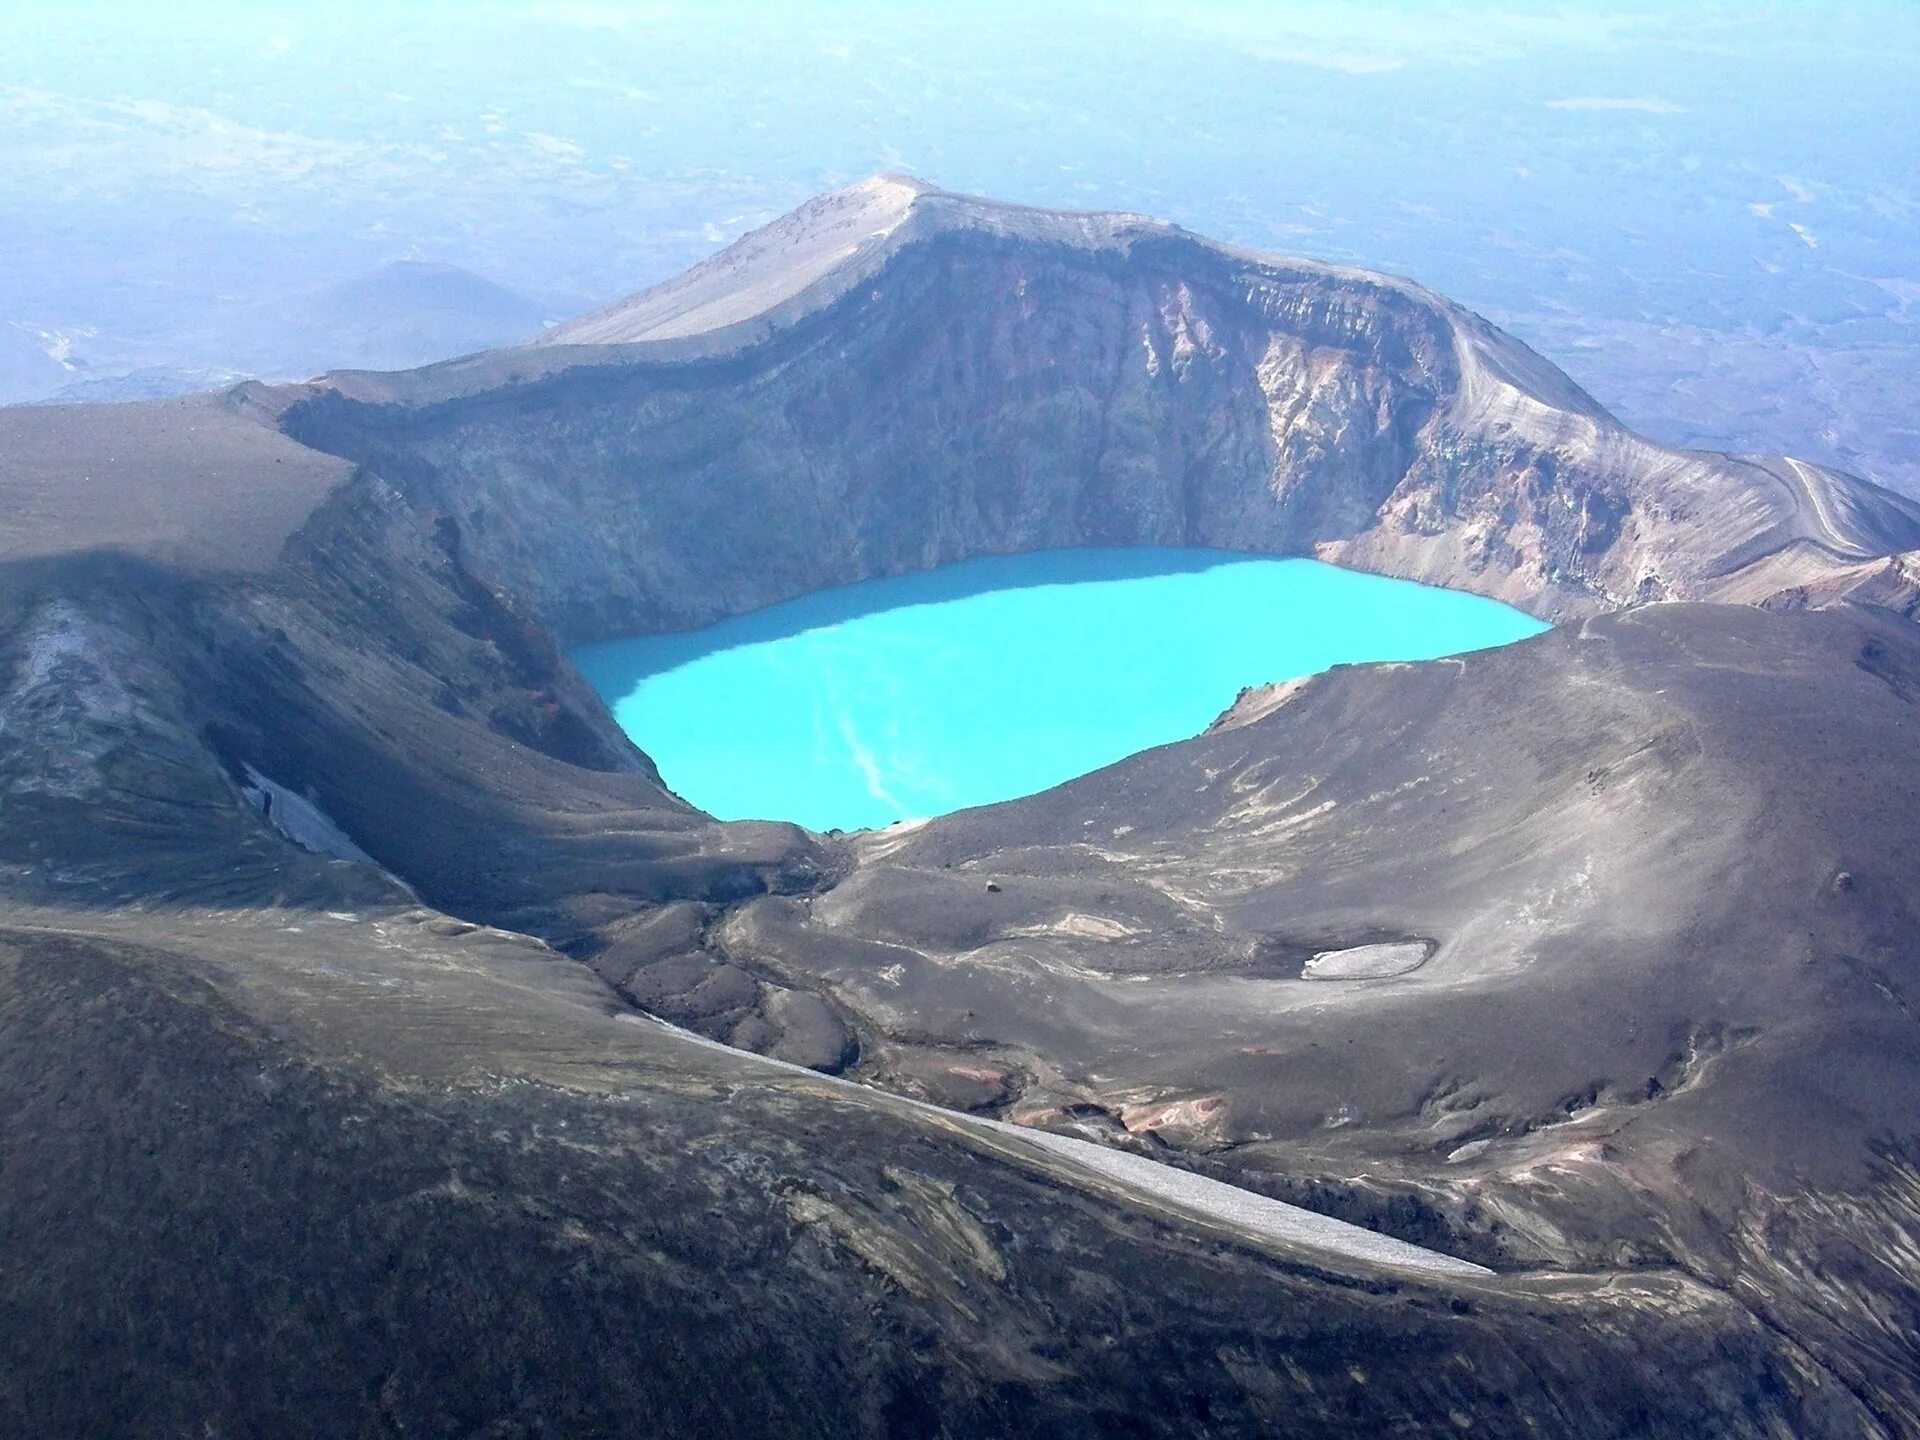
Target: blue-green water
1000 676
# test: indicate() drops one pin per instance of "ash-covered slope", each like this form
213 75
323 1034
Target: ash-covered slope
765 279
1666 901
333 904
1596 950
362 1164
200 482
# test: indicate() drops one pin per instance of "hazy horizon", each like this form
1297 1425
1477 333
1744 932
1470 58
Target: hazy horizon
216 191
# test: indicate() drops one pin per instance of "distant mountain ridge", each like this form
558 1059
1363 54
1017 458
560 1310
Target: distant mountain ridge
409 309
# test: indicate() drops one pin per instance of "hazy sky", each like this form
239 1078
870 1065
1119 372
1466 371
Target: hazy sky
1642 193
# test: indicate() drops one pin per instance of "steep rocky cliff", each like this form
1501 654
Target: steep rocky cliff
895 378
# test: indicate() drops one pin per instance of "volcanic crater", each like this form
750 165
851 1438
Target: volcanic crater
361 980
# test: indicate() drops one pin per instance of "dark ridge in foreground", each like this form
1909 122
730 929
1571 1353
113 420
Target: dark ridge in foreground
335 909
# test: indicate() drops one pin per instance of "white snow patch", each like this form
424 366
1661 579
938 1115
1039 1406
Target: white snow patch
300 820
1367 962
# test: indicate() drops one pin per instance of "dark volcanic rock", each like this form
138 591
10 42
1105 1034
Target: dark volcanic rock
674 1243
293 1143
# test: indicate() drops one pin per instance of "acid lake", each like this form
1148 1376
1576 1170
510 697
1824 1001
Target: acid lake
997 677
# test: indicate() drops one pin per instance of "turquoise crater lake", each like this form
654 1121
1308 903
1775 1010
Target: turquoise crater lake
997 677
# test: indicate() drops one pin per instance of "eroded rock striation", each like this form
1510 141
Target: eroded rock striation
971 377
334 908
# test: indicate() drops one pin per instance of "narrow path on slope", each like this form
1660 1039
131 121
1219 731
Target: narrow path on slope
1813 490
